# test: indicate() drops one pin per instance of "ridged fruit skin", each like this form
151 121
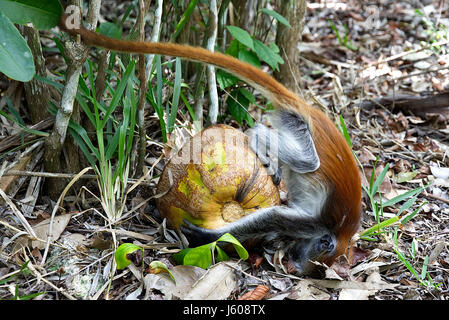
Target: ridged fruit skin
207 181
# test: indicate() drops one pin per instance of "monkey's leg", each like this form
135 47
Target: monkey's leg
290 142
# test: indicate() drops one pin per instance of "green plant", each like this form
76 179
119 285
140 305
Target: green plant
23 271
122 260
203 256
154 96
435 33
114 137
345 40
424 277
389 228
16 60
121 254
247 48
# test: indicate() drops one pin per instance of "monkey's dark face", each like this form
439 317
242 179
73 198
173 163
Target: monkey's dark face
303 252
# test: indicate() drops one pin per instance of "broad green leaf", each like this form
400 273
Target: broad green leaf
237 245
121 252
221 254
44 14
267 54
200 256
250 57
238 104
110 29
225 79
179 257
276 16
234 48
16 60
242 36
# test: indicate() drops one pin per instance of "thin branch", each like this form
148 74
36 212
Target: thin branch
211 78
142 93
155 34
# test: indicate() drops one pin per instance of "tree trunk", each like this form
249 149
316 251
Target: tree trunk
287 40
37 92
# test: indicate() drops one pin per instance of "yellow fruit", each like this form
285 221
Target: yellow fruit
213 180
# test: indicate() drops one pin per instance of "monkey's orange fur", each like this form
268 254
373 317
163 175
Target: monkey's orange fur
338 169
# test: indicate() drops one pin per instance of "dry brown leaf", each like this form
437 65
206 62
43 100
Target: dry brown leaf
357 255
401 165
41 229
7 181
255 260
257 294
366 156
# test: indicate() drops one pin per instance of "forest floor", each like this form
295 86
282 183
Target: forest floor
385 73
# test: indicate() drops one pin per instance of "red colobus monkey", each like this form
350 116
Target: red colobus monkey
321 175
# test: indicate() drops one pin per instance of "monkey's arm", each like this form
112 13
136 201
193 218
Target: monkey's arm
265 224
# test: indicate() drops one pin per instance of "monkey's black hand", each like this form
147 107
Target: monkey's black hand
197 235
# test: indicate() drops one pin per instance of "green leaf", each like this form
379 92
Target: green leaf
176 94
379 179
276 16
225 79
161 267
344 130
16 60
411 215
404 196
121 252
185 17
44 14
119 92
221 254
378 227
227 237
237 105
110 29
250 57
158 106
267 54
405 176
179 257
200 256
234 48
242 36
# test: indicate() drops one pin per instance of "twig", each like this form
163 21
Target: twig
211 78
142 93
155 33
18 214
399 55
54 175
56 207
40 277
